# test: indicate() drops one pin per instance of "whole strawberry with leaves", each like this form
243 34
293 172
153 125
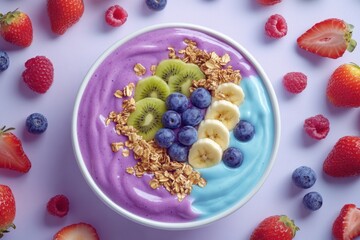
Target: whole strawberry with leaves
343 89
12 155
16 28
276 227
64 13
7 209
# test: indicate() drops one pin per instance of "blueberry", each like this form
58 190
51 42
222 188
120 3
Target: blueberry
4 61
36 123
191 116
200 98
177 102
165 137
171 119
244 131
304 177
156 5
233 157
313 201
187 135
178 152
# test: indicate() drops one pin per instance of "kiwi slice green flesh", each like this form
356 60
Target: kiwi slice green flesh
169 67
183 81
147 117
153 87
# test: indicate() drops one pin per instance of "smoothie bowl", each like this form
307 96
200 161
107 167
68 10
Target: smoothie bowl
176 126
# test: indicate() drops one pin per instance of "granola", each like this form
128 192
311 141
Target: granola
177 178
139 69
214 66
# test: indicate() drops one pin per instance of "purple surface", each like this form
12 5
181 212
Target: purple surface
54 167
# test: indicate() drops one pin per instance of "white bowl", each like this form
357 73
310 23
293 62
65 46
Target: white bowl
268 120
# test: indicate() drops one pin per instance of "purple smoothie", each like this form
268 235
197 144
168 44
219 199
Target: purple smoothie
108 169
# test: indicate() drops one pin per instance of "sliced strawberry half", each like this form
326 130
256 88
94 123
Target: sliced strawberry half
77 231
347 225
12 155
329 38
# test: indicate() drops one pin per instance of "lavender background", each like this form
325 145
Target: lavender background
54 168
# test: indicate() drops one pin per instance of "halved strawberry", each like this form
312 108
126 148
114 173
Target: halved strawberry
347 225
329 38
77 231
12 155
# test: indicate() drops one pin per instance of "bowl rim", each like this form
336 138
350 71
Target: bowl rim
182 225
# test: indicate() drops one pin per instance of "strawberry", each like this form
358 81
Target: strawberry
343 89
277 227
268 2
344 159
347 225
12 155
16 28
64 13
77 231
329 38
7 209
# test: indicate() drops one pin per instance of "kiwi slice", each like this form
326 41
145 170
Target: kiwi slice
147 117
169 67
183 81
153 87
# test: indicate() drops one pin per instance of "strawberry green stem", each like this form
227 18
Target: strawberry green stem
351 42
9 17
355 65
290 224
4 129
2 231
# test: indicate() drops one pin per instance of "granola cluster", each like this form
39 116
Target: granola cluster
139 69
214 66
177 178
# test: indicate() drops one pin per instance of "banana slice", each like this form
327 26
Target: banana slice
224 111
230 92
216 131
204 153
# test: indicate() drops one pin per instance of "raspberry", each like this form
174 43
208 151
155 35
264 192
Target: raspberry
116 16
295 82
39 74
317 126
268 2
58 205
276 26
